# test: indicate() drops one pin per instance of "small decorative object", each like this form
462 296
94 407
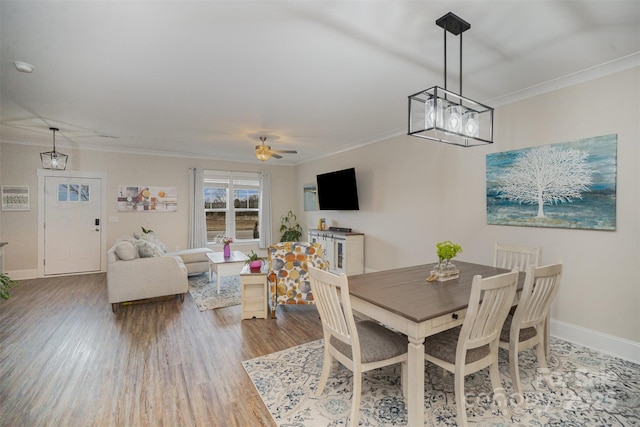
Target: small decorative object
146 230
445 269
254 261
226 240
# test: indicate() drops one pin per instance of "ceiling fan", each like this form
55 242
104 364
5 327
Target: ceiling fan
264 152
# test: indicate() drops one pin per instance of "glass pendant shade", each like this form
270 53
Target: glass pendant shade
470 121
433 113
54 159
454 118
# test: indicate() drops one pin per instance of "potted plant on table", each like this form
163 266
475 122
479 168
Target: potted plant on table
254 261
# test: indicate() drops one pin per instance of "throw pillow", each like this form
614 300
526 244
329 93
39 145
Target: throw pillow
147 249
126 251
152 238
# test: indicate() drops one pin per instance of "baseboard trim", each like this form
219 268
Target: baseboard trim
33 274
610 344
23 274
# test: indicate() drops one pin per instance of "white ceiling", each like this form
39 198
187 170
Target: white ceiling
207 78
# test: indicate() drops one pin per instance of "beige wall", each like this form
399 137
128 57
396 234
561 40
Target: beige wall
414 193
20 164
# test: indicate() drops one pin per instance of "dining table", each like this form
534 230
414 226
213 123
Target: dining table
402 299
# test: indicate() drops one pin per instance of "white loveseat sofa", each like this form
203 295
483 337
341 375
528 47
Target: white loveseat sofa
140 267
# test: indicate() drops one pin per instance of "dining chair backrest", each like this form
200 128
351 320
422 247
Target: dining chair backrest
331 293
540 288
512 256
489 304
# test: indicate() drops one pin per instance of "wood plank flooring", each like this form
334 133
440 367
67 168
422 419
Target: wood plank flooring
67 360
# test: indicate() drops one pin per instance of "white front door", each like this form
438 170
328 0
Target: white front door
72 224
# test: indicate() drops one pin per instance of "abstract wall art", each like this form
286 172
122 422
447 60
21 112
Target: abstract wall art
566 185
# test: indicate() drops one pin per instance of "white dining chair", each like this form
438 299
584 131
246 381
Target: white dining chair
474 345
526 327
360 346
513 256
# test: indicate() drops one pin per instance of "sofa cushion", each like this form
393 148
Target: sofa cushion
126 251
146 249
193 255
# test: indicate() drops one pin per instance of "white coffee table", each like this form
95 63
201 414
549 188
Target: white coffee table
225 266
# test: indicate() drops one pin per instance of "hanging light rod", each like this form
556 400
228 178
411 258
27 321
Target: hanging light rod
442 115
54 159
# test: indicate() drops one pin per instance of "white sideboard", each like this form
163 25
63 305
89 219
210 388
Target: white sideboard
343 250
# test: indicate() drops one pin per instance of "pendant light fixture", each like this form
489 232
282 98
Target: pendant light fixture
442 115
54 159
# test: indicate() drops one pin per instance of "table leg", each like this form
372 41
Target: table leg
415 399
218 279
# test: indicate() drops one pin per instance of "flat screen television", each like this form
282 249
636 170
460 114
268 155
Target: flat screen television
337 191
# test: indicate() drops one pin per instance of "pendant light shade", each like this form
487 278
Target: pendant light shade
445 116
54 159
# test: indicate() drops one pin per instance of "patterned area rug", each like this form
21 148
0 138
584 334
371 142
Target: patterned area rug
590 389
205 293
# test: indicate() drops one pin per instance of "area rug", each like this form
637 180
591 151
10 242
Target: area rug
205 293
590 389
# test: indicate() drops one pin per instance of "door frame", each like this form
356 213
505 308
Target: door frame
102 176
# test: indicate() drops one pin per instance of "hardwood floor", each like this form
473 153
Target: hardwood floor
67 360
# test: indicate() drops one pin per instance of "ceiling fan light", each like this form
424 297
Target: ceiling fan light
263 152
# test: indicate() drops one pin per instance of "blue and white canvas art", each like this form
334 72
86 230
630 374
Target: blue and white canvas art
566 185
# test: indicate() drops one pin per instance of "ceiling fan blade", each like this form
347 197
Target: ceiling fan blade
285 151
275 156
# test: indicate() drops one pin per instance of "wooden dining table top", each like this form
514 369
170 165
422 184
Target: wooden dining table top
406 292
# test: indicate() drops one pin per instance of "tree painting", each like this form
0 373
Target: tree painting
546 175
566 185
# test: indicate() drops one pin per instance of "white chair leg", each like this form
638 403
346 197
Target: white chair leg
355 400
542 362
327 363
460 399
515 372
498 390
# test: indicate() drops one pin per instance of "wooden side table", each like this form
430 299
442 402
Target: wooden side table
254 292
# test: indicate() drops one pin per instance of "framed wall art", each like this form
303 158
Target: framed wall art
15 198
144 198
310 197
566 185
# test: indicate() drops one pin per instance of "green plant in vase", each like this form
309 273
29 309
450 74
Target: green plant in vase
446 251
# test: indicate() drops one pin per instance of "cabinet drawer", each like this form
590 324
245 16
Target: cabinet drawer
448 321
257 290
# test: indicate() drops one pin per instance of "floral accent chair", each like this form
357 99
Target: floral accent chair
288 273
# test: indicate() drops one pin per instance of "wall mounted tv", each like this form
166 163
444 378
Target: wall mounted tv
337 191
